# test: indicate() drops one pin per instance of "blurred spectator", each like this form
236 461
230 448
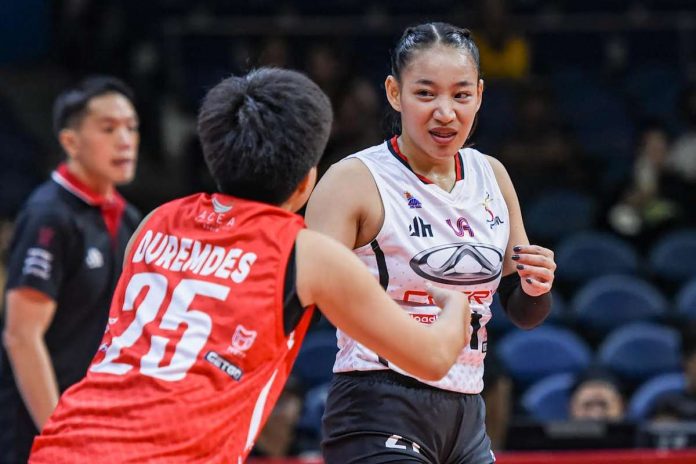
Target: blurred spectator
504 53
596 396
650 201
541 151
672 408
356 124
327 65
277 439
274 52
682 405
681 162
682 156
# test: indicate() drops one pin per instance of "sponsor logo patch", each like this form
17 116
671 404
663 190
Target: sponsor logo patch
94 258
422 297
462 227
224 365
413 202
424 318
217 218
242 340
220 208
492 219
419 228
46 235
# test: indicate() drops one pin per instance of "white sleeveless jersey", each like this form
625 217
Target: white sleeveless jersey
453 239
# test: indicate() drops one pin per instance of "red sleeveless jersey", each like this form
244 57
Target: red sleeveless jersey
195 354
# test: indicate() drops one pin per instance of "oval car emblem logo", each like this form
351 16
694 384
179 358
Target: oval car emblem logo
459 263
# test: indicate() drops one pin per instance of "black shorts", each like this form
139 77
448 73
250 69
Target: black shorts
380 417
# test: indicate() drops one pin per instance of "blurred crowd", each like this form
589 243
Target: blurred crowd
595 123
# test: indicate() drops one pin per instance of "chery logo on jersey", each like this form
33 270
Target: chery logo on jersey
422 297
242 340
459 263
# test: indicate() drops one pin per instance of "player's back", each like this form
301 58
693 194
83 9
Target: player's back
195 352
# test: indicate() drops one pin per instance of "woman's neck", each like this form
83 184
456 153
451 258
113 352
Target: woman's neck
440 171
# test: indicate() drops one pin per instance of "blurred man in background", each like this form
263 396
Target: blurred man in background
65 259
597 396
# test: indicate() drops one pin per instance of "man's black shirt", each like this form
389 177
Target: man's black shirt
63 248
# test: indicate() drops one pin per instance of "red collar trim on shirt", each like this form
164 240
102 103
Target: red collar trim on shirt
111 208
393 146
71 183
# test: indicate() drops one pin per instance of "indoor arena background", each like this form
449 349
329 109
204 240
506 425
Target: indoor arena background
590 105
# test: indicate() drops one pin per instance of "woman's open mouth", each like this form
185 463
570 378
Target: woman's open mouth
442 136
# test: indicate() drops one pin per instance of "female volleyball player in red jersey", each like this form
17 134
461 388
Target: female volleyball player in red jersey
209 312
418 209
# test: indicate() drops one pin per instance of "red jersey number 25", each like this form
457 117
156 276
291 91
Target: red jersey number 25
179 311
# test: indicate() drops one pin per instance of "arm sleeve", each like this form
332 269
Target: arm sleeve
525 311
38 252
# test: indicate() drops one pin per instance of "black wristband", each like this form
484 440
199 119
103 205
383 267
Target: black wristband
507 285
525 311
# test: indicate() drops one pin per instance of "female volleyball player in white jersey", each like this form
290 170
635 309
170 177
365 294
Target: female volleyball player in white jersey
419 208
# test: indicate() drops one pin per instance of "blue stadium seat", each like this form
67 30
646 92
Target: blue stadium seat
653 89
586 255
641 350
608 132
595 112
558 213
547 400
647 395
533 355
559 312
672 257
686 300
607 302
314 364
